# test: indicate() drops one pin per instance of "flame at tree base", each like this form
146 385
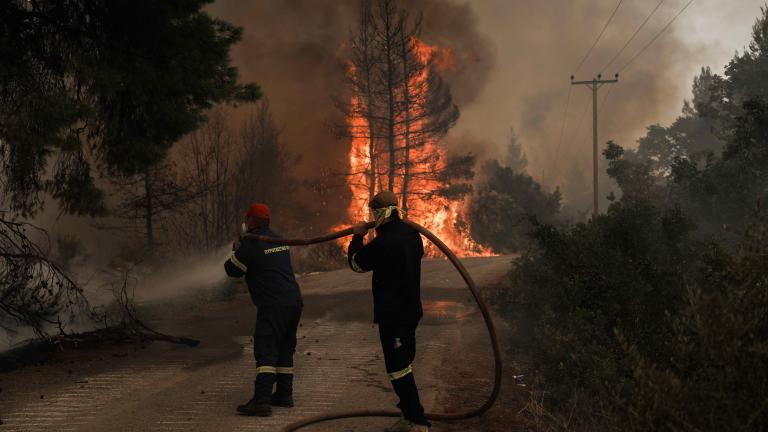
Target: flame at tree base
447 224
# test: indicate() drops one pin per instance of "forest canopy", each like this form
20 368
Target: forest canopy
103 86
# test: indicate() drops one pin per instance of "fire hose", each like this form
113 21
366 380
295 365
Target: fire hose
480 303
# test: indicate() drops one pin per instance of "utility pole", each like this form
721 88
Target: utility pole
594 85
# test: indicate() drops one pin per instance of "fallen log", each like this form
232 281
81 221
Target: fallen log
40 351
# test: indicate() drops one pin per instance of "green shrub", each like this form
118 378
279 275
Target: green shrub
503 205
717 376
634 326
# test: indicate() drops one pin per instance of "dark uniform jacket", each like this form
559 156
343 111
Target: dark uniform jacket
267 270
395 258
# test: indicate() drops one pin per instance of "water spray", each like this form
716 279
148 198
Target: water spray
480 304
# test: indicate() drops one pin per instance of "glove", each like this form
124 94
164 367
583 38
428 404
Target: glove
360 228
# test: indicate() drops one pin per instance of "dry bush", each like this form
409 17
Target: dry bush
34 290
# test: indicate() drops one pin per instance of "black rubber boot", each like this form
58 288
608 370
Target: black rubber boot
410 404
259 405
283 396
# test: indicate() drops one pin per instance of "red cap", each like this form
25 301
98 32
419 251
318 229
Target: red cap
258 210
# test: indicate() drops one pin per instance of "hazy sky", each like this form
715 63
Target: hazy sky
710 31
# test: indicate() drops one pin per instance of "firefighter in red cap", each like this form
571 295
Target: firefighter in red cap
273 288
395 258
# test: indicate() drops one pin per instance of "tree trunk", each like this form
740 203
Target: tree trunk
388 39
365 32
372 166
148 208
407 121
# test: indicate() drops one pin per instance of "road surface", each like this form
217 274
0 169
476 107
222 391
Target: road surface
164 387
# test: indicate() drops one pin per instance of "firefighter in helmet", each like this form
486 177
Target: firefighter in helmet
268 272
395 258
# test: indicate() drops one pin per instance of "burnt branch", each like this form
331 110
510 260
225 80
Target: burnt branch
34 290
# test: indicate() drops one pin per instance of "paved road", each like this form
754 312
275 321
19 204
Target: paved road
164 387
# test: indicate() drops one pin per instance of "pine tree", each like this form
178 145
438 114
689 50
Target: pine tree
107 84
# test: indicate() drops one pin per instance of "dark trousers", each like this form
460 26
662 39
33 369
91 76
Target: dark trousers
274 343
399 345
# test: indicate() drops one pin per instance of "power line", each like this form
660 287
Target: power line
575 136
633 36
581 120
565 117
598 38
578 67
606 123
645 47
605 98
657 36
578 129
581 63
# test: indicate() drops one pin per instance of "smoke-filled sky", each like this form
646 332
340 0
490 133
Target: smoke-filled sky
514 59
540 43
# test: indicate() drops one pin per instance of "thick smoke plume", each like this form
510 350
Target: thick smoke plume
512 63
539 46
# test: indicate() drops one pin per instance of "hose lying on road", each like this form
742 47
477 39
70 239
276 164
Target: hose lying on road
480 303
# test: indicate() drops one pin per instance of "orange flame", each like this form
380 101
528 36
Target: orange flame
444 217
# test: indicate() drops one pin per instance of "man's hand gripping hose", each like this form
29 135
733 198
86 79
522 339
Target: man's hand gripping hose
480 303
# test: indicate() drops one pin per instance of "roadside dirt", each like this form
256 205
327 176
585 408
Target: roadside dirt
465 385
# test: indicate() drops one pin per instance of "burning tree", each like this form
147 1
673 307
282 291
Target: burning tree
398 111
361 112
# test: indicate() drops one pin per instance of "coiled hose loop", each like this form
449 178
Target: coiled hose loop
480 303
